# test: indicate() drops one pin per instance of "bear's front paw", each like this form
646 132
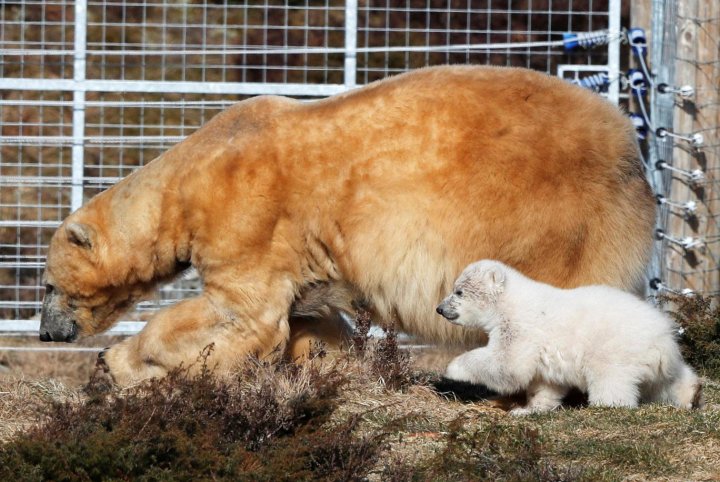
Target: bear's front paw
126 367
101 381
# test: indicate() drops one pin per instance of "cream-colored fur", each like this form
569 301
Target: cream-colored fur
546 340
381 194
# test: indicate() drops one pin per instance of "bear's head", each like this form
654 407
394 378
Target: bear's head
87 282
473 300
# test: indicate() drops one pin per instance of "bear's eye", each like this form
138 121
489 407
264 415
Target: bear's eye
458 292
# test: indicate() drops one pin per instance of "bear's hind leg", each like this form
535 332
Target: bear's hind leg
177 335
318 316
332 333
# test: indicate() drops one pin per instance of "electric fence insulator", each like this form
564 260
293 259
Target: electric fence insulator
697 176
661 165
696 139
573 40
688 208
638 41
641 128
596 82
683 91
637 82
687 243
657 285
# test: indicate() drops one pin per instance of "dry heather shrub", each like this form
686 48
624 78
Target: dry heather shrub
385 360
270 422
391 362
699 317
361 334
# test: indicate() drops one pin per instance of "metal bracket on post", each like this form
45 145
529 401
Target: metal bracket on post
78 131
351 7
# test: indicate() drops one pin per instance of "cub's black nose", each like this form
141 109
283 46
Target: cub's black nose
45 336
439 310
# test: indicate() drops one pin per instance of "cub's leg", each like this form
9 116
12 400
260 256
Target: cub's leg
683 391
245 319
483 366
687 389
542 397
614 387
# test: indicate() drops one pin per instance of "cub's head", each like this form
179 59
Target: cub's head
85 279
473 300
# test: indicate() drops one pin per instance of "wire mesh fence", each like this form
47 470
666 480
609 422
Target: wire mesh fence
91 90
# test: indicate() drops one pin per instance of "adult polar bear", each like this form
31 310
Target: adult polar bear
379 195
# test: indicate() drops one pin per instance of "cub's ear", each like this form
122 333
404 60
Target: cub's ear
81 235
494 278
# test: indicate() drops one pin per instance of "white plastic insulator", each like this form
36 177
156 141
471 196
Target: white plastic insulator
690 207
697 139
686 91
697 176
691 243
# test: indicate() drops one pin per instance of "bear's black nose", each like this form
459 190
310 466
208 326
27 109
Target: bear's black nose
45 336
439 310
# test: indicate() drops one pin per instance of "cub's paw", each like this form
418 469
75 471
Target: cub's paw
458 371
521 412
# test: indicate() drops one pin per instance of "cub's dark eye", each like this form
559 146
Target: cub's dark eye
49 289
458 293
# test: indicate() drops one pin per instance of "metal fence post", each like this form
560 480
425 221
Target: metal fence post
350 43
662 64
78 131
614 51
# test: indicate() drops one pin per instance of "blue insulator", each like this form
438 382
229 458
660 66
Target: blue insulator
640 126
573 40
596 82
638 83
638 41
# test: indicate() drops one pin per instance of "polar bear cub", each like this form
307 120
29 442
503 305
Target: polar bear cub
545 340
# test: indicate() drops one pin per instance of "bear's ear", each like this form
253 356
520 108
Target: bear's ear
494 278
81 235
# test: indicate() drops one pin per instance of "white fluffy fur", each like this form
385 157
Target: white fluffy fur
545 340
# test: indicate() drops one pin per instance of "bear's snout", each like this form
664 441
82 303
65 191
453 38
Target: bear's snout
56 322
